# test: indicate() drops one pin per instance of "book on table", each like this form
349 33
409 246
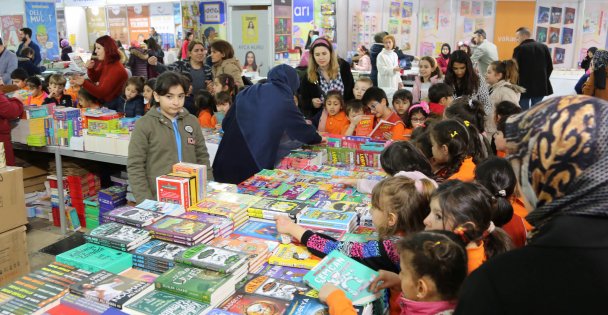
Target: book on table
214 258
117 236
291 255
163 303
107 288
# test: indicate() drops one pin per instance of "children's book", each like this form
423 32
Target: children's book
275 288
163 303
211 257
259 229
217 311
181 228
382 127
328 218
94 258
117 235
349 275
291 255
162 207
221 225
268 208
159 250
365 126
303 304
133 216
282 272
110 289
242 303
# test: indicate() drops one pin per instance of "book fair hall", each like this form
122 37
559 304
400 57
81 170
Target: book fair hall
303 157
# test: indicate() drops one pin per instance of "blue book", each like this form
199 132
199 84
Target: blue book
258 229
347 274
302 304
333 219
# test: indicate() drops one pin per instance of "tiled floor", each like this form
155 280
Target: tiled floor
41 233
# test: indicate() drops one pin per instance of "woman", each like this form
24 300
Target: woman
559 156
463 78
138 60
598 77
65 50
186 44
444 57
10 109
389 72
154 50
585 64
263 117
209 35
364 63
250 65
312 36
195 66
325 72
429 74
222 57
107 76
465 47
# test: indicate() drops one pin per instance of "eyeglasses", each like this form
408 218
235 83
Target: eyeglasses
418 120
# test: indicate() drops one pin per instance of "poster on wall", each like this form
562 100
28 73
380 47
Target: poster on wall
10 25
569 16
139 23
177 21
567 34
556 15
554 35
365 21
543 15
303 21
325 18
541 34
250 30
212 16
117 23
551 29
282 28
480 16
96 23
161 18
41 18
595 28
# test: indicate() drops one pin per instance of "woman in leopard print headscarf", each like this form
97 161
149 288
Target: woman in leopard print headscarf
559 151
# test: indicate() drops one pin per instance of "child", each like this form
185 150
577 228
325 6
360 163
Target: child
503 111
18 77
362 84
502 77
57 87
205 102
399 205
86 100
223 102
189 99
39 94
355 113
73 90
498 177
334 119
134 101
466 209
26 62
470 113
451 152
224 83
416 117
149 94
375 99
389 72
429 74
402 100
166 125
440 97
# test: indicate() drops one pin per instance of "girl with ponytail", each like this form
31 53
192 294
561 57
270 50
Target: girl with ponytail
502 77
470 113
468 209
452 154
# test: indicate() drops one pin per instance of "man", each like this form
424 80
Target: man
485 52
156 36
8 63
535 67
376 48
25 36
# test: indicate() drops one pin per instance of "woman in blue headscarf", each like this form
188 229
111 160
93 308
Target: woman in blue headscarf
263 117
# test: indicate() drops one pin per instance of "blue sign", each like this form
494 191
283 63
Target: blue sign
303 11
212 12
41 18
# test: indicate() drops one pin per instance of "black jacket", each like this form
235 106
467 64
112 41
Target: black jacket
309 90
29 67
535 67
373 56
133 107
562 271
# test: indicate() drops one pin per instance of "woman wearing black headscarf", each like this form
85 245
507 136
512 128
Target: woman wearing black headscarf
585 64
559 151
596 84
444 57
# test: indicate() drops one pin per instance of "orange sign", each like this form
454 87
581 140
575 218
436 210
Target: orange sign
511 15
139 22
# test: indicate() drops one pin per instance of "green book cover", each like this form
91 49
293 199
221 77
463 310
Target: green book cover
162 303
214 258
349 275
93 258
194 283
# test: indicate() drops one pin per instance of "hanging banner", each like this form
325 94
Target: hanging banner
212 12
117 23
41 18
161 18
509 17
10 25
303 18
282 28
250 29
96 23
139 22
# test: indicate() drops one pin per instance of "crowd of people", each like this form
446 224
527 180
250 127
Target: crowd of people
459 226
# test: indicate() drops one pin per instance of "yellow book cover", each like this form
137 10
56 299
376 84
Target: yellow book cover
296 256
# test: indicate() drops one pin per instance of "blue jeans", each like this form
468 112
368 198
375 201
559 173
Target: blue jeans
527 102
579 85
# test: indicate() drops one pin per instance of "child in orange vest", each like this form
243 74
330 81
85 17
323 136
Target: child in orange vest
375 99
333 119
34 84
205 103
452 158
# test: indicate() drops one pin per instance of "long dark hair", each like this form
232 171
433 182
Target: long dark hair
404 156
456 138
449 50
469 84
497 175
205 101
309 40
254 65
152 44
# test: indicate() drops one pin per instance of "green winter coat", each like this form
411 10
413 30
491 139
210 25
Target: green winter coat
153 151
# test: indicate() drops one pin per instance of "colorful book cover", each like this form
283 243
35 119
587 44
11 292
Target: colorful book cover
93 258
241 303
382 127
108 288
214 258
282 272
162 303
135 216
275 288
350 276
160 250
181 228
202 285
83 304
365 126
328 218
270 244
217 311
217 207
291 255
220 224
259 229
273 206
241 199
302 304
139 275
337 204
119 233
162 207
255 249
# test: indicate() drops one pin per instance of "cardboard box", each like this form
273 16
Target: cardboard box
13 255
174 190
33 171
12 199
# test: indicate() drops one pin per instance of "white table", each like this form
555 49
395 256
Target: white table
563 81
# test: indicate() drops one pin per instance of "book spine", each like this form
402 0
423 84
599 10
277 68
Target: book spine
145 257
171 235
322 224
106 242
169 239
136 224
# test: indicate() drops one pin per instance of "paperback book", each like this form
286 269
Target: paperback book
242 303
291 255
133 216
268 208
163 303
214 258
281 272
180 228
275 288
162 207
118 236
222 226
93 258
110 289
381 128
332 219
258 229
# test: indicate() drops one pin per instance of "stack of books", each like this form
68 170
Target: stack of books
163 303
156 256
328 219
118 236
132 216
233 211
222 226
161 207
182 231
80 304
214 258
269 208
258 250
202 285
111 198
107 288
94 258
291 255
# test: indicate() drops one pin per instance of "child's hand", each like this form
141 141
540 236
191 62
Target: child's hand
357 119
316 102
284 224
385 280
347 181
326 290
153 61
388 135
